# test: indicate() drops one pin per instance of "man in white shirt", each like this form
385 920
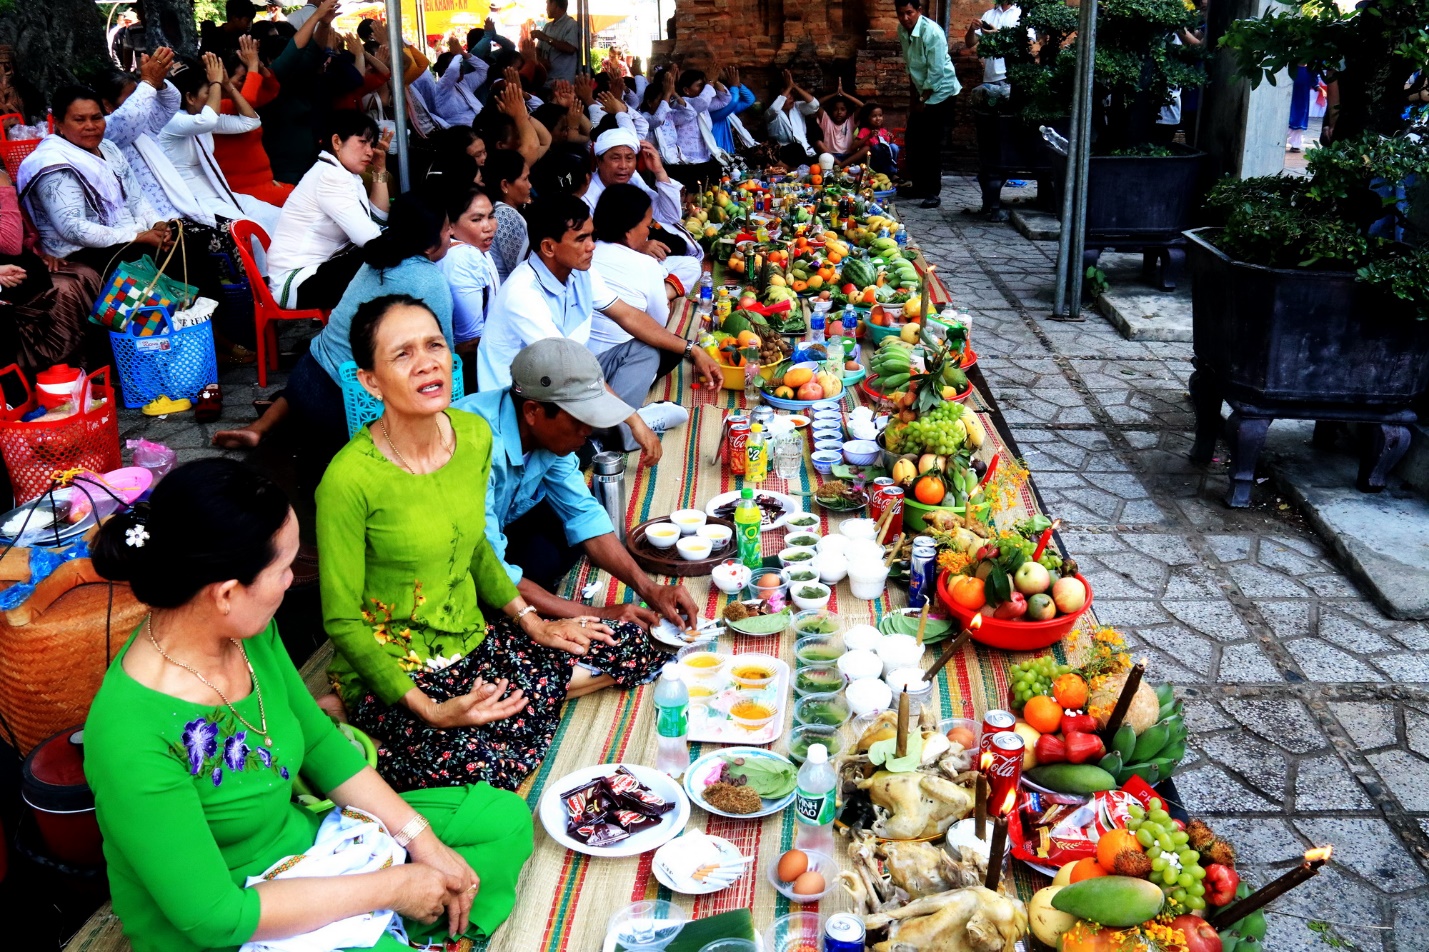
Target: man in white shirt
994 68
456 89
787 122
553 293
558 43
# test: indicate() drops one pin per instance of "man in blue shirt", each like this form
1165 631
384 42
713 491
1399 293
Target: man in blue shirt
539 509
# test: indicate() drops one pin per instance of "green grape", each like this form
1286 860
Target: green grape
1164 842
1136 812
1197 889
1155 804
1178 896
1188 857
1158 864
1184 880
1168 876
1144 837
1198 873
1153 851
1179 837
1159 815
1195 903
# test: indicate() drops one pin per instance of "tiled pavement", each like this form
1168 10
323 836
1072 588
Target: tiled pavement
1309 709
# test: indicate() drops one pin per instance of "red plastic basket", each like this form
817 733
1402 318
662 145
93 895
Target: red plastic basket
13 152
35 451
1015 635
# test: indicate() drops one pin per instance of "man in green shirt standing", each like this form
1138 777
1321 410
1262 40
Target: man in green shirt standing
930 68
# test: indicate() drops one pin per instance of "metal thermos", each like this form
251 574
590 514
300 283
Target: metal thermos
608 487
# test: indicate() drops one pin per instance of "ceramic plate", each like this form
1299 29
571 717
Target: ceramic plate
673 861
699 772
789 503
669 634
553 811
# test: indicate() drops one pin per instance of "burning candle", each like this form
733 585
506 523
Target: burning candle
903 723
1123 703
995 855
991 468
1046 536
1236 911
980 816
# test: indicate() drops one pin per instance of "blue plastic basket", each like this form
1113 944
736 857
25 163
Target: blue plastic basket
361 407
176 364
237 293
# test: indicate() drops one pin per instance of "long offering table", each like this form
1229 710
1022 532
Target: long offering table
565 898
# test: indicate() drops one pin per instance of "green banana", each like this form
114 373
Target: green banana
895 381
1125 742
1111 763
1165 693
1150 742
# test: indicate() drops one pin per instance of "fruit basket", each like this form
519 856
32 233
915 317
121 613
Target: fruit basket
870 389
1017 635
916 514
806 374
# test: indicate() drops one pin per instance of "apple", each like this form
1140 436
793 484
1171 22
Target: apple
1200 937
1014 608
1040 607
1069 594
1029 734
1032 578
811 391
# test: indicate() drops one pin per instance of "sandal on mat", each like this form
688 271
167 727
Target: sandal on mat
162 405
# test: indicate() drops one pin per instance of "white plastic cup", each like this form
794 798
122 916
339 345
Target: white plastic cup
866 580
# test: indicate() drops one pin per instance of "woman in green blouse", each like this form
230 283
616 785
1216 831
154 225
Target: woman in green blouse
203 723
404 564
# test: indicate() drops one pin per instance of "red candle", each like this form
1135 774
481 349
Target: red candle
1046 536
991 468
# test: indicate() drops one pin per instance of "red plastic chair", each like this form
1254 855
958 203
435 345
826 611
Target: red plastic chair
265 308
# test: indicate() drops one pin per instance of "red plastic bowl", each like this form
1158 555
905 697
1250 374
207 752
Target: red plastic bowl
1015 635
872 391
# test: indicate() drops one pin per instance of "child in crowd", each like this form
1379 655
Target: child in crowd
873 143
836 121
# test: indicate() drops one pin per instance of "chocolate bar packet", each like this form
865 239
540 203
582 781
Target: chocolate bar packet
633 821
587 802
631 794
597 833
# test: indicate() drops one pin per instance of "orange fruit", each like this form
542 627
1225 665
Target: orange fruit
1111 844
929 490
968 593
1087 869
1070 691
1043 713
748 339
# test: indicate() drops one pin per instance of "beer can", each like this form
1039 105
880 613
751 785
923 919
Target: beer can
843 932
994 722
1004 772
738 444
884 499
922 571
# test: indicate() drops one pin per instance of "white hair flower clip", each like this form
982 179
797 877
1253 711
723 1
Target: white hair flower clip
136 537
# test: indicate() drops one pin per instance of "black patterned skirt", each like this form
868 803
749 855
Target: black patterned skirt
412 754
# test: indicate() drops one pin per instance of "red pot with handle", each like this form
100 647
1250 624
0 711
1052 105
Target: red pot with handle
53 786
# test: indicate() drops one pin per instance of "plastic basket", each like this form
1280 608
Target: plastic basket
35 451
237 293
361 407
177 364
13 152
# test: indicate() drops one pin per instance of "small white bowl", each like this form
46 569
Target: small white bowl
832 568
718 535
730 576
867 695
801 540
859 529
789 556
860 666
830 446
662 535
821 405
862 452
824 865
833 545
825 435
806 604
862 638
803 568
694 548
825 460
801 522
689 520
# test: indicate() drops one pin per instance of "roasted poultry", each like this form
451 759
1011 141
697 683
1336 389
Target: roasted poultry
912 804
971 919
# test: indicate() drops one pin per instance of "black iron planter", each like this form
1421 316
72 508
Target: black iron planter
1307 345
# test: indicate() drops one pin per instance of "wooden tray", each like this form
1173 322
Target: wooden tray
668 561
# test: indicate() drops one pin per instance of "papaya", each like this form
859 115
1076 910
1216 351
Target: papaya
1072 778
1118 901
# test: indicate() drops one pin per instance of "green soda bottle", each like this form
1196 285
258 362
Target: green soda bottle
747 525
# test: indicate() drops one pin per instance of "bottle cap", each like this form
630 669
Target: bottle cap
756 428
818 754
746 493
671 671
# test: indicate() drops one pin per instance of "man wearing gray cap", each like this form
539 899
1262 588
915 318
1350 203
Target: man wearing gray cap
538 506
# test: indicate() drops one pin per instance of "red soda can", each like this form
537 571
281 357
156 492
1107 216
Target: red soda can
994 722
882 481
887 498
1004 773
730 419
738 440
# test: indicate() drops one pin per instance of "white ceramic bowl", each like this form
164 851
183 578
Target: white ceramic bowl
718 535
825 405
688 520
693 548
861 665
825 460
859 529
801 540
801 522
791 556
730 577
787 573
662 535
867 695
862 638
826 435
804 603
832 567
830 446
862 452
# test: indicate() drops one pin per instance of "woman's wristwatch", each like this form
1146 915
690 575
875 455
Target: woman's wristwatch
689 349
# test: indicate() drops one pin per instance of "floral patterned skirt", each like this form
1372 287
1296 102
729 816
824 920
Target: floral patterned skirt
412 754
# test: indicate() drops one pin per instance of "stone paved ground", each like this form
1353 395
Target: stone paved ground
1309 709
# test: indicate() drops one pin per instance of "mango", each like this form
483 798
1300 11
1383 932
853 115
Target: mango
1117 901
796 377
1073 778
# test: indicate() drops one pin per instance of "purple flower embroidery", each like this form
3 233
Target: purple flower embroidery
283 772
217 776
235 751
265 756
201 741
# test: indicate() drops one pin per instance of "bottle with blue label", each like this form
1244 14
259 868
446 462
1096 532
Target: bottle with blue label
850 325
672 705
816 328
815 797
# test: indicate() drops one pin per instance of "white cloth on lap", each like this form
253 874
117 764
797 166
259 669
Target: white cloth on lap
349 842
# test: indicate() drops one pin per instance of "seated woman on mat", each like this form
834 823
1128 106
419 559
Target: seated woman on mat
201 727
402 260
622 227
405 558
330 215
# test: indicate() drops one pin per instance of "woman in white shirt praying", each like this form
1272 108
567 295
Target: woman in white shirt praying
622 227
330 215
187 138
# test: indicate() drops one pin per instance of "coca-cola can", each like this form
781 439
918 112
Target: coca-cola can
994 722
882 481
738 441
882 500
1004 772
730 419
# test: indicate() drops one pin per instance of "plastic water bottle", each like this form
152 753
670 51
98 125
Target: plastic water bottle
748 523
950 316
756 454
814 802
901 238
816 328
706 306
672 706
850 325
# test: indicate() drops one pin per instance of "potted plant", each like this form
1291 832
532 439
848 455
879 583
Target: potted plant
1311 297
1141 188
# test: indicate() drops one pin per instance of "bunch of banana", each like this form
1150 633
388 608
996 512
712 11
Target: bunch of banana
891 363
1245 935
1154 754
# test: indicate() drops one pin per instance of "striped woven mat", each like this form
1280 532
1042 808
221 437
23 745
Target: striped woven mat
564 899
